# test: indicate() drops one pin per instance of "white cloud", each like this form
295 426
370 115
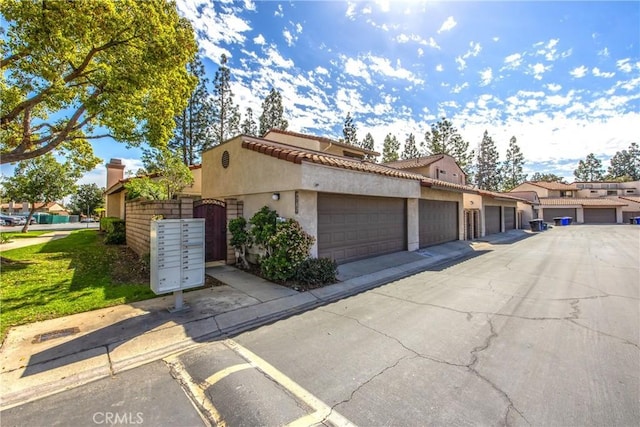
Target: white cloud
486 76
259 39
447 25
559 100
351 11
604 52
537 70
420 52
513 61
404 38
275 59
439 68
462 64
596 72
384 66
459 88
553 87
322 70
279 12
357 68
474 51
288 37
249 5
579 72
624 65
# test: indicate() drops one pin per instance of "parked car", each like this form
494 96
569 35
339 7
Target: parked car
13 220
87 220
31 221
2 222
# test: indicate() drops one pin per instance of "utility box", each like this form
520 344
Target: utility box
177 254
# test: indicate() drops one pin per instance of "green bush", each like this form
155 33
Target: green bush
314 272
115 230
288 248
263 226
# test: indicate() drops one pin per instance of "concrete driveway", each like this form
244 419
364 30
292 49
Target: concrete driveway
541 332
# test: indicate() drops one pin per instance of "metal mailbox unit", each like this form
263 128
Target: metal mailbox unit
177 256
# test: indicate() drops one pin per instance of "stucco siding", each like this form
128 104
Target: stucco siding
307 143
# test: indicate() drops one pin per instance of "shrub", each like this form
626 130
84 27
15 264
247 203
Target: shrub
263 226
288 248
240 239
115 230
314 272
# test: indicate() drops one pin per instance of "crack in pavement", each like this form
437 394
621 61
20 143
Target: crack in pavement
624 340
470 367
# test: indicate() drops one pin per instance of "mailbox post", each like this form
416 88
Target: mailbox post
177 257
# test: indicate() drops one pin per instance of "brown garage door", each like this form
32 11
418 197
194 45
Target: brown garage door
550 213
438 222
509 218
599 215
355 227
492 219
626 216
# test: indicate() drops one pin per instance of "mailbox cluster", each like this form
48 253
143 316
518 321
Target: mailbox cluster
177 254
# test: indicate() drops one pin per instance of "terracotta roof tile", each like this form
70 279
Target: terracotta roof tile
570 201
553 185
634 199
415 163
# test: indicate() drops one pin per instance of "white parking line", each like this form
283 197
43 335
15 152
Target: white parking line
323 412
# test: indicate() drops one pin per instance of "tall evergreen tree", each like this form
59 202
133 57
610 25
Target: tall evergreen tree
512 167
349 131
249 126
390 148
487 174
410 149
272 113
589 170
369 144
227 117
192 133
547 177
444 138
625 163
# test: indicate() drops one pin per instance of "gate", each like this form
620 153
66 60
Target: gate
214 213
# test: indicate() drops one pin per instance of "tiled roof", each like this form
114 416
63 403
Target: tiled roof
570 201
633 199
503 196
415 163
298 155
553 185
323 139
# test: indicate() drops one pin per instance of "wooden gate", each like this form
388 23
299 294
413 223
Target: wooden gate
214 213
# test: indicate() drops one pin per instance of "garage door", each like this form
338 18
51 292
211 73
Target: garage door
438 222
492 219
509 218
599 216
626 216
550 213
355 227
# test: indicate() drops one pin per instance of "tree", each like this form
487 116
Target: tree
349 131
487 174
390 148
410 149
82 70
369 144
87 198
589 170
171 173
511 169
272 113
227 117
443 138
625 163
249 126
40 180
547 177
192 133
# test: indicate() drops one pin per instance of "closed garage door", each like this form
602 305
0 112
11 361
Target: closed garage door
509 218
438 222
626 216
492 219
355 227
550 213
599 216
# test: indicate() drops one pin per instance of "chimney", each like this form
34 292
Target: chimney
115 172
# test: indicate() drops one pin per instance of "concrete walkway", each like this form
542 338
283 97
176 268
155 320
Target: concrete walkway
46 357
28 241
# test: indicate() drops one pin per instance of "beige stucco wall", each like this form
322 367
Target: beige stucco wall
489 201
542 192
114 205
308 143
527 213
413 224
450 167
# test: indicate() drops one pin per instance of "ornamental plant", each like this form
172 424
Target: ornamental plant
288 248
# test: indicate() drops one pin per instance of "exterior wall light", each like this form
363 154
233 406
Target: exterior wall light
275 196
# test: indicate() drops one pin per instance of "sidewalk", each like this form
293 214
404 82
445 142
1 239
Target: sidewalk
43 358
22 242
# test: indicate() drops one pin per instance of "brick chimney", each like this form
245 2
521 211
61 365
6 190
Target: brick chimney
115 172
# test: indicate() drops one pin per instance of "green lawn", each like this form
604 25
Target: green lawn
13 235
66 276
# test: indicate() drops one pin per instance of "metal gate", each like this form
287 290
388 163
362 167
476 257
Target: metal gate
214 213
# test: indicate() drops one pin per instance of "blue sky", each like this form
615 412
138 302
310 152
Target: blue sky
562 77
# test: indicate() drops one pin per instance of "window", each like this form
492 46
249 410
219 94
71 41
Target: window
580 186
612 193
443 172
593 191
630 191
